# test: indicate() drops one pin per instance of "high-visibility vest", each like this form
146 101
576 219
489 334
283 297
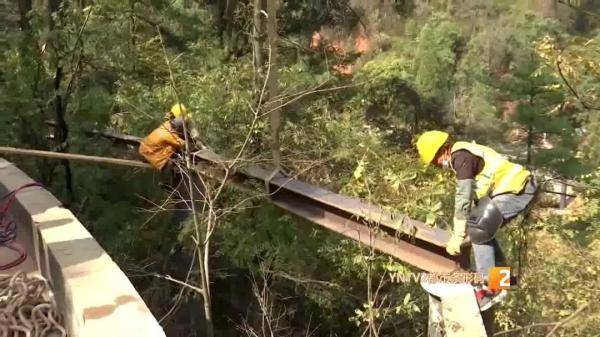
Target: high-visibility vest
160 145
498 175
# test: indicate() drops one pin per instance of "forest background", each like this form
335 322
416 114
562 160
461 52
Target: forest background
334 93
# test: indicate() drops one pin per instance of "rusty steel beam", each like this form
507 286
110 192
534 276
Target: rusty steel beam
408 240
405 239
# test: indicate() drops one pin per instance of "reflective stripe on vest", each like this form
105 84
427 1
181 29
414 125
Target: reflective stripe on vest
498 175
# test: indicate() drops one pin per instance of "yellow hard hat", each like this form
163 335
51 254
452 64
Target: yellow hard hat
179 110
429 143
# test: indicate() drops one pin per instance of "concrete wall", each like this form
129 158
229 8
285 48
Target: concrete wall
95 295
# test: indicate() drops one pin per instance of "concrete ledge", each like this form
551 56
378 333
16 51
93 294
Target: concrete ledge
93 293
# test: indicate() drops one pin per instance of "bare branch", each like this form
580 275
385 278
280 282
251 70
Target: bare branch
181 291
169 278
555 325
577 8
572 90
310 93
527 327
566 320
203 254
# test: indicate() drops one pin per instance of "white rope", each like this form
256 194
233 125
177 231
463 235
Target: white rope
27 308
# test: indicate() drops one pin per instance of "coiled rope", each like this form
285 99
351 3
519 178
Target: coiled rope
27 308
8 228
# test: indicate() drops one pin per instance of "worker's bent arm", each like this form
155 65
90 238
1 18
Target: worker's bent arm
462 209
463 198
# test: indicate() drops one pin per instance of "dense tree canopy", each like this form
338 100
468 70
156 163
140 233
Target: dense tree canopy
355 82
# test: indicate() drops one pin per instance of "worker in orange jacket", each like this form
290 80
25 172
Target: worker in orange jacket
163 147
166 141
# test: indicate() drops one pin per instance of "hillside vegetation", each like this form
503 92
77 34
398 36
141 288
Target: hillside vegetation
353 82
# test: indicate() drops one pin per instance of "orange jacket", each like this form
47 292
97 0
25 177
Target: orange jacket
160 145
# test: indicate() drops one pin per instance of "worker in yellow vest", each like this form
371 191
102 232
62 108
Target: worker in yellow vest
499 190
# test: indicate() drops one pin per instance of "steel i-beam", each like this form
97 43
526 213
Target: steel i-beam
396 235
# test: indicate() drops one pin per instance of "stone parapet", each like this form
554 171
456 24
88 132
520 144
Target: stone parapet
96 297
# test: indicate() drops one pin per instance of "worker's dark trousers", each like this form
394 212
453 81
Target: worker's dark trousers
489 254
177 183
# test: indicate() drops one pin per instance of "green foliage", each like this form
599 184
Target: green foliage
295 15
399 183
539 110
388 66
404 7
591 146
554 286
356 140
21 80
436 56
576 61
390 97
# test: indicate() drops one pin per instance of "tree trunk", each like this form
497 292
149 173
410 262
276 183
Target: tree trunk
546 8
79 4
31 127
61 133
24 8
52 6
529 143
61 130
217 8
229 33
258 33
132 34
273 82
530 132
